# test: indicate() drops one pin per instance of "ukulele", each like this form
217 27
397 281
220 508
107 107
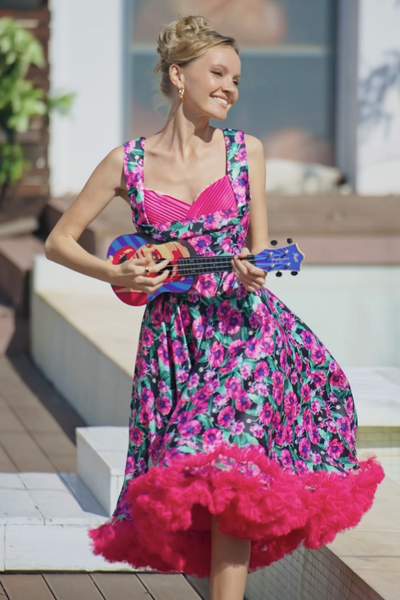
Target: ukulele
185 264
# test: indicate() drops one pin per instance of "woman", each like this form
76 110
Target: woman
242 424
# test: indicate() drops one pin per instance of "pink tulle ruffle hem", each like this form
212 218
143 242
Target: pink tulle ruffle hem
253 497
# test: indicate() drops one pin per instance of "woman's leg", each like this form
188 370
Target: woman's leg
230 559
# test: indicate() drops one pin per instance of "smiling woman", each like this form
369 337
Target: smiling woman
242 424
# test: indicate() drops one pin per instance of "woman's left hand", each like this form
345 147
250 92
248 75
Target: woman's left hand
251 276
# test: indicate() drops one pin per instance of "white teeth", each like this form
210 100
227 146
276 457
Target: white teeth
220 101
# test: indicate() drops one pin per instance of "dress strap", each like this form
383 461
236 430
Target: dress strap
133 170
237 165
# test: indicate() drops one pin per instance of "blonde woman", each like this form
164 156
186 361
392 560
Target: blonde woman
242 424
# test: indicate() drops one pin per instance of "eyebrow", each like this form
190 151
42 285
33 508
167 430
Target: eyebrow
224 68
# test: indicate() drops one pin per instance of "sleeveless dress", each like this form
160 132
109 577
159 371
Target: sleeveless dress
237 409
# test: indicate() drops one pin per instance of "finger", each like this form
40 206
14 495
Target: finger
241 268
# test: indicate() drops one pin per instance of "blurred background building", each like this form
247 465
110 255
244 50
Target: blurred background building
320 81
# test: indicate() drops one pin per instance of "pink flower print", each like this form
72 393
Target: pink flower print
232 323
141 367
236 346
163 405
246 371
130 465
257 430
193 381
211 221
136 436
301 466
279 437
157 317
335 449
298 363
299 431
331 426
277 394
142 466
239 138
319 378
286 458
243 402
237 428
266 414
207 285
146 416
314 435
307 419
223 310
338 379
217 353
315 407
277 378
159 420
287 320
229 283
178 326
198 327
304 448
180 352
290 418
253 347
233 387
293 377
163 355
202 394
227 245
210 375
147 397
221 400
316 458
344 427
193 296
276 419
318 354
190 428
305 393
229 366
225 416
261 371
147 337
153 366
288 434
308 339
168 312
267 345
201 243
211 437
181 375
291 403
185 317
283 359
162 386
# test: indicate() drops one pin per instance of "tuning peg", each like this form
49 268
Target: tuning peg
278 274
274 242
289 240
293 272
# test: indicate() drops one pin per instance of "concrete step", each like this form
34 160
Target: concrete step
44 518
16 262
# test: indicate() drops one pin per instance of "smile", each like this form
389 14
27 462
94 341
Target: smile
220 101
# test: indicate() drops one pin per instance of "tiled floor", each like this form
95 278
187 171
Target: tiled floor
37 433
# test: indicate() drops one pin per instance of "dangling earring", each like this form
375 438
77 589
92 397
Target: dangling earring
181 93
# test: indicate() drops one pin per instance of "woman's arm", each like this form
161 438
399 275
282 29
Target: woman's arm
62 247
251 276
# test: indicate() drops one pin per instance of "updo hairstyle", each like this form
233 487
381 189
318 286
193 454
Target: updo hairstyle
182 41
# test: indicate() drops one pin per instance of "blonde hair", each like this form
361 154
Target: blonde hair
184 40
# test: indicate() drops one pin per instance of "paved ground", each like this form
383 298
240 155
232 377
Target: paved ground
37 433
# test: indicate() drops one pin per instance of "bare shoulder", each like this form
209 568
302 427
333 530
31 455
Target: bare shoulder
254 146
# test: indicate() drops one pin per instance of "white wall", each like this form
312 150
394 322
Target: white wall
378 160
86 56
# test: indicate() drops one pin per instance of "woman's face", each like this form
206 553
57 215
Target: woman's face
211 82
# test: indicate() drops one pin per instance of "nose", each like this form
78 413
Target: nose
229 87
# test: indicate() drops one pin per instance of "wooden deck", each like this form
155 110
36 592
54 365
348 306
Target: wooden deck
37 433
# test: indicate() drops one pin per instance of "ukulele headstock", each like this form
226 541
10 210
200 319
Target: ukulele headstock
288 258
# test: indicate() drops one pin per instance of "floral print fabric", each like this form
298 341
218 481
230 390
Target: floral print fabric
222 368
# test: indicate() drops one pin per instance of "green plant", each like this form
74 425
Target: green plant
20 98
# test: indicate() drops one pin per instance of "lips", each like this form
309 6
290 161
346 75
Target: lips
220 101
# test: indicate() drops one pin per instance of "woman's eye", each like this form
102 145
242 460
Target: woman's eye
217 73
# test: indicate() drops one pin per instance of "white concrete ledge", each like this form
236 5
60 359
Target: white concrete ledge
44 518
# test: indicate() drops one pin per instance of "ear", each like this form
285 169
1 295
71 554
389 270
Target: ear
176 75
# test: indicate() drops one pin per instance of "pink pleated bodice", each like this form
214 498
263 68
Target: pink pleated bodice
162 208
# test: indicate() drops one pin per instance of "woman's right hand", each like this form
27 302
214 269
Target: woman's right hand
132 274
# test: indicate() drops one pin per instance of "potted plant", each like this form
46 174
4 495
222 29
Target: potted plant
20 99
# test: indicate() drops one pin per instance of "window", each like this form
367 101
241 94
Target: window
287 48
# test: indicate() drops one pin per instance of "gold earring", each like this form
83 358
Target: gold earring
181 93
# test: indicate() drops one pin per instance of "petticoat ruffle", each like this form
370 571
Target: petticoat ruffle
252 496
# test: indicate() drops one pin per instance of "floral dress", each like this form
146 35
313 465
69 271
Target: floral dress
237 410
